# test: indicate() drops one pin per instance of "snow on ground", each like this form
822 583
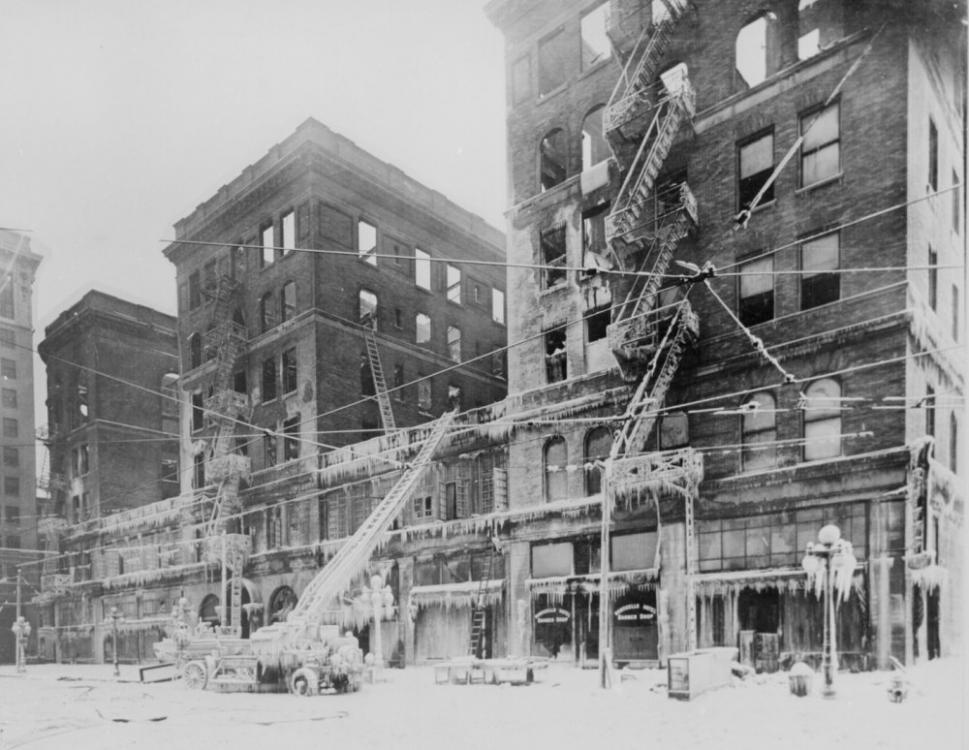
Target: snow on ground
73 706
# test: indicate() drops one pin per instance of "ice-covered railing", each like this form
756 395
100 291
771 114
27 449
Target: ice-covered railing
662 473
159 513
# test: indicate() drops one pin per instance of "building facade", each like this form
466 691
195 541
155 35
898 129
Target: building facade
741 357
112 405
18 522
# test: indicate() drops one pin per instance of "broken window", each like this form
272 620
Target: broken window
595 43
759 432
422 269
756 165
819 24
556 478
287 228
198 413
822 420
553 154
194 350
291 438
597 323
821 148
198 471
398 318
290 369
269 447
266 317
424 394
454 284
287 301
422 326
367 308
269 379
594 239
267 250
757 291
553 256
454 343
808 44
933 279
820 282
521 79
553 52
454 397
498 306
598 443
239 384
594 146
751 51
556 362
367 242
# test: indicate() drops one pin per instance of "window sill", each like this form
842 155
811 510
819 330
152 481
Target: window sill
595 67
542 98
835 178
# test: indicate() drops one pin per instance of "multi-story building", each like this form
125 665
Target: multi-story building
743 321
18 517
112 437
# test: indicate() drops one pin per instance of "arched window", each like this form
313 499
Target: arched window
553 156
287 302
594 146
751 51
209 610
598 442
822 420
194 350
266 312
281 603
759 433
556 479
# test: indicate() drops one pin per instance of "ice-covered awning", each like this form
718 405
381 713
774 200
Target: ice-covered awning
462 594
556 588
709 585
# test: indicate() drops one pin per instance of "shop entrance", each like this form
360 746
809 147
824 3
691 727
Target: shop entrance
635 630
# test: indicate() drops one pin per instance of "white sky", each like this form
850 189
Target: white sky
120 117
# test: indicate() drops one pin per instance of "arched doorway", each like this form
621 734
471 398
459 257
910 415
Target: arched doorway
248 595
209 611
281 603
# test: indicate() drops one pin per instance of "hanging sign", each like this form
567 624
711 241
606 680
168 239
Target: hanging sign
635 612
552 614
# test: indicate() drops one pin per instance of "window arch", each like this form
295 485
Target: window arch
594 146
759 433
194 350
556 479
281 603
822 420
209 610
553 156
598 442
266 312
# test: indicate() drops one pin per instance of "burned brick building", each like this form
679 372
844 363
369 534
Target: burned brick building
743 321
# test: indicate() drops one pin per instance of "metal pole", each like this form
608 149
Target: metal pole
828 627
114 634
222 598
605 654
21 666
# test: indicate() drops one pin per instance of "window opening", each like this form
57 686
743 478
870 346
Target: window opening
552 157
820 283
498 306
553 256
454 343
454 284
287 301
595 43
553 52
556 478
757 291
422 269
367 242
759 432
556 363
821 148
822 420
756 166
422 325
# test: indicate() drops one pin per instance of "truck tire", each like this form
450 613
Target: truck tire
195 675
304 682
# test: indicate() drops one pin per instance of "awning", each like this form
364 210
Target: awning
620 582
463 594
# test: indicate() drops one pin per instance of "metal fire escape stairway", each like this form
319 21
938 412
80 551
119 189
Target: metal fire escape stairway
644 228
369 324
322 593
223 466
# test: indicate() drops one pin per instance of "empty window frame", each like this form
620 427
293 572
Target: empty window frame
269 379
756 291
291 438
269 447
553 156
594 237
759 432
556 360
597 324
266 317
454 343
424 394
933 279
821 148
556 478
756 163
367 242
422 269
194 350
553 52
454 284
521 79
808 44
287 301
290 370
198 412
933 177
820 281
595 42
367 308
287 232
498 306
598 443
594 146
822 420
552 243
422 328
751 51
266 242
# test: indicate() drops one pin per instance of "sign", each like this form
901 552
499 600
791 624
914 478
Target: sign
552 614
635 612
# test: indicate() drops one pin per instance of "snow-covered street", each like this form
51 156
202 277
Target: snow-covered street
65 706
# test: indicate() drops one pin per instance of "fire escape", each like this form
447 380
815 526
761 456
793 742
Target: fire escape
649 217
369 324
223 467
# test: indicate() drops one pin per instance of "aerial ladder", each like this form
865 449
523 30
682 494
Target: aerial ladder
369 324
644 227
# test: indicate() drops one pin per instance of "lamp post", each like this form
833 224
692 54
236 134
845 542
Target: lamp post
21 631
830 565
382 606
116 617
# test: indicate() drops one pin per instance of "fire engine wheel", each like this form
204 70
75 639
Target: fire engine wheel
304 682
195 675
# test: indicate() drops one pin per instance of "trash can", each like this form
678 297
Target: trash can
801 676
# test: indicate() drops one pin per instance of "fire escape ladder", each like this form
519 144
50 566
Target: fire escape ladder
369 325
351 558
479 611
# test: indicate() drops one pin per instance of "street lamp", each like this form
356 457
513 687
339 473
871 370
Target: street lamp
116 617
21 631
382 607
830 564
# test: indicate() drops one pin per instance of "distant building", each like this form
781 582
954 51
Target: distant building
112 404
18 512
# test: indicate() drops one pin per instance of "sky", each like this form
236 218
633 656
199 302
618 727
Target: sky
120 117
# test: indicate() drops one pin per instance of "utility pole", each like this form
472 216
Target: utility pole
115 617
605 652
